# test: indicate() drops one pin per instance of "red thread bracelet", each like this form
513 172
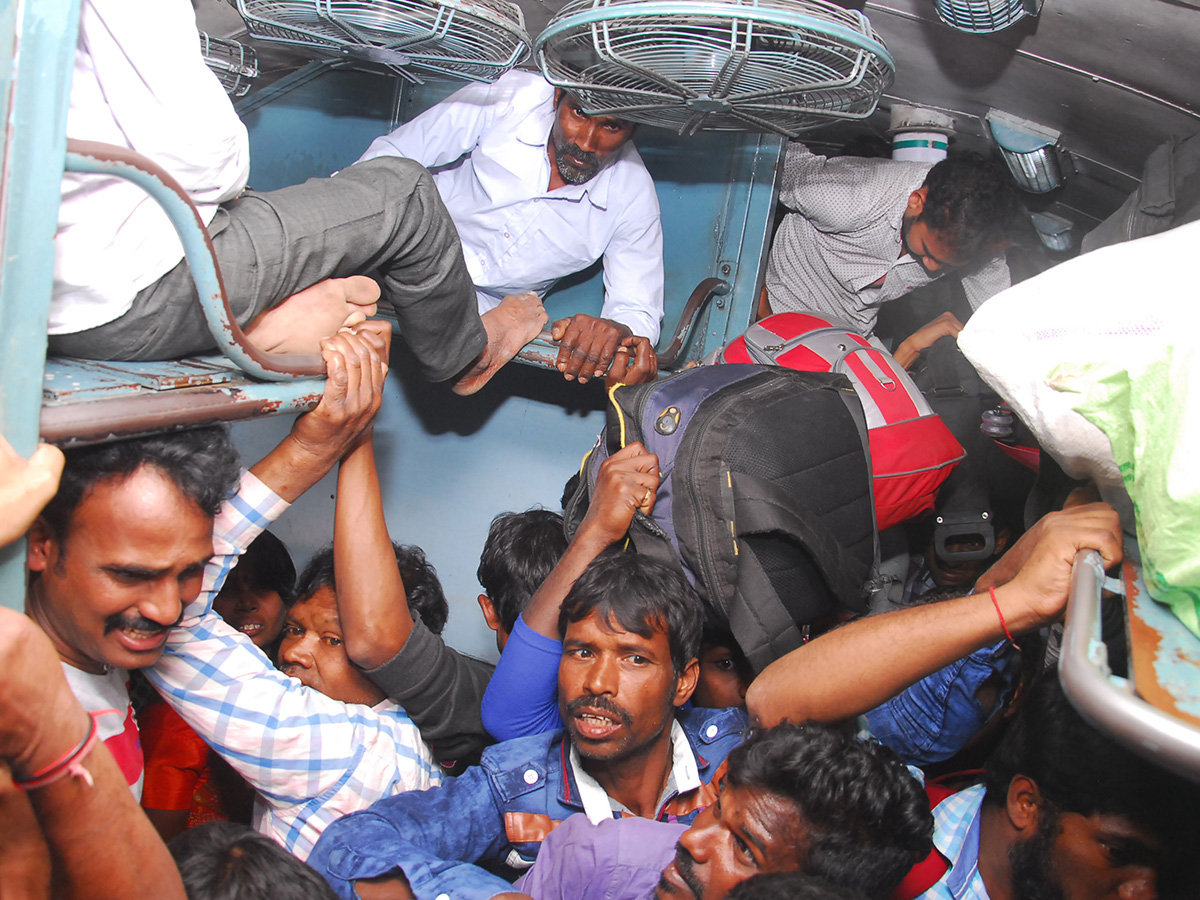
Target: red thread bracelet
70 763
1003 624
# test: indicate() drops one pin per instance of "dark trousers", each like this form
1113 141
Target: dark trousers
382 217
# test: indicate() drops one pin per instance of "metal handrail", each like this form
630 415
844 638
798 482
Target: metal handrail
107 159
1107 701
543 349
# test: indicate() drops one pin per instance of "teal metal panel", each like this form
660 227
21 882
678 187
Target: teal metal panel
447 465
39 36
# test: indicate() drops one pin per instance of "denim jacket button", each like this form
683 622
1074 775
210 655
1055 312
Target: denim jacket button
710 731
443 897
531 777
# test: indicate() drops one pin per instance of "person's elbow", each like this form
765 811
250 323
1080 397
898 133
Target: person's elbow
372 645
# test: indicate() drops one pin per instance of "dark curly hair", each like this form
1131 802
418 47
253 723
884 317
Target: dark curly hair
202 463
971 203
638 593
791 886
520 552
866 818
426 599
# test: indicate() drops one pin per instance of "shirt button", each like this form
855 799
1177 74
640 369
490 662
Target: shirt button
443 897
507 235
531 777
710 731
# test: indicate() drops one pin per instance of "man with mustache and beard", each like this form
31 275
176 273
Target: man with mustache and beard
539 189
795 798
1065 813
631 635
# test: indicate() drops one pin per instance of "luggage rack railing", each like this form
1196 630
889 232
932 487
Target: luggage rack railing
107 159
1117 705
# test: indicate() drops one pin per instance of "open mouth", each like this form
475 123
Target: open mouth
140 640
595 725
250 629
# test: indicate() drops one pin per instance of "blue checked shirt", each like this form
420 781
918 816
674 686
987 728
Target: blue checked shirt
311 758
956 836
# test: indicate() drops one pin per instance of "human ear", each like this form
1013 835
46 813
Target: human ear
489 613
40 540
1024 805
916 201
687 682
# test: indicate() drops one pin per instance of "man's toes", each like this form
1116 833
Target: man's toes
361 291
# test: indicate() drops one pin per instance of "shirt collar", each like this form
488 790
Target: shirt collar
956 835
684 777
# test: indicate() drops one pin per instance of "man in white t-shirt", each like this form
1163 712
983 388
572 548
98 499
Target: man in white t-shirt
539 189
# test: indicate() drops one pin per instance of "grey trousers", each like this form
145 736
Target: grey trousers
382 217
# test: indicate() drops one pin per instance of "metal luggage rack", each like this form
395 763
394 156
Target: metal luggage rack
87 402
1156 711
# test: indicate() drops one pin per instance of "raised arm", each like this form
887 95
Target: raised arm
626 483
522 697
889 652
319 439
372 604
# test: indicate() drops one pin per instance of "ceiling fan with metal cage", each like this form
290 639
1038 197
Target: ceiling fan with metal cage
474 39
760 65
234 64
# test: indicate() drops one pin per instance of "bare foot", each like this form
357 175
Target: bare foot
510 326
298 324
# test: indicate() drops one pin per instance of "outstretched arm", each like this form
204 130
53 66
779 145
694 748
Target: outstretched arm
371 601
319 439
522 697
627 482
894 650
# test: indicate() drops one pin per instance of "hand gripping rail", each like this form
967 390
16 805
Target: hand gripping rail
543 350
107 159
1107 701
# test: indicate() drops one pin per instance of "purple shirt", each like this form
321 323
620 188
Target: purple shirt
619 859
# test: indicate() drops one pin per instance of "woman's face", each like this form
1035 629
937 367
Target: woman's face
256 614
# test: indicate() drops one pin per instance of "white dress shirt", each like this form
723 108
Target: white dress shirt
139 82
517 235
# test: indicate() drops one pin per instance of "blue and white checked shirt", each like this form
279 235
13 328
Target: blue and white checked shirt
956 836
311 758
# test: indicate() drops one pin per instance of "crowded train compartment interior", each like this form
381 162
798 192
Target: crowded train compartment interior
1076 95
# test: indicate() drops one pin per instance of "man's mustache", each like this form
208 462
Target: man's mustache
120 621
589 158
685 864
603 704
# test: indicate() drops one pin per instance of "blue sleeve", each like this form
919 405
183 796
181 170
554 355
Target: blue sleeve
934 718
432 836
522 697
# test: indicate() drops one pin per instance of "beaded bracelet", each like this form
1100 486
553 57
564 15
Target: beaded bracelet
1003 624
71 763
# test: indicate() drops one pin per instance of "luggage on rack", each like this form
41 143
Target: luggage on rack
765 499
912 450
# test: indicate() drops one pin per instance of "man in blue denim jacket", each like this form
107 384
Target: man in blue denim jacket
631 636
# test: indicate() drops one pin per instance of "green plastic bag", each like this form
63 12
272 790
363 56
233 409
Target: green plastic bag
1149 407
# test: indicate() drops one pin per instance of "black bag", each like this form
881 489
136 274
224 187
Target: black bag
765 500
